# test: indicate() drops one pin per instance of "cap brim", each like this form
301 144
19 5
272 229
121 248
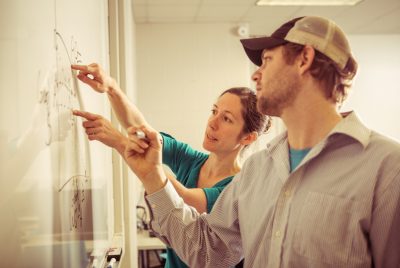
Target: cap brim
255 46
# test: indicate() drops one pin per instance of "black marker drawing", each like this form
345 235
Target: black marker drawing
66 133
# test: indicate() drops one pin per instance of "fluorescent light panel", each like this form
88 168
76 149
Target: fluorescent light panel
307 2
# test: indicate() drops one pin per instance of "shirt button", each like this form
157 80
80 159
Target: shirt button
153 205
287 193
278 233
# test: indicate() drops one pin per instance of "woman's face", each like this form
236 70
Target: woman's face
225 125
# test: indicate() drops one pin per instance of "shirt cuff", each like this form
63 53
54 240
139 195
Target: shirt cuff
161 203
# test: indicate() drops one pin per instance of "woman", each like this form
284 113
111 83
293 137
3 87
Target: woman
234 123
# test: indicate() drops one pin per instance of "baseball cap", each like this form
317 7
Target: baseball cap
320 33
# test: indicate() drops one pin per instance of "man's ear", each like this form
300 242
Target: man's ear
249 138
306 58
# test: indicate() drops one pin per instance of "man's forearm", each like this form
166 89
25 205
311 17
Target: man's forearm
191 235
154 181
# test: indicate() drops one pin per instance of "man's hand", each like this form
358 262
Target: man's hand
99 128
144 157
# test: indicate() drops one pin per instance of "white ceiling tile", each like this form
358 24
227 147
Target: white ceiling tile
173 2
278 15
229 2
385 24
367 11
329 12
368 17
227 13
177 20
169 11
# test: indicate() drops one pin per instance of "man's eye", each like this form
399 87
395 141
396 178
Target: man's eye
265 59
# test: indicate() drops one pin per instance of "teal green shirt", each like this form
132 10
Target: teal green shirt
186 163
296 156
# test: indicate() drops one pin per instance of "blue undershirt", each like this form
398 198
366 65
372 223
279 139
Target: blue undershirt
296 156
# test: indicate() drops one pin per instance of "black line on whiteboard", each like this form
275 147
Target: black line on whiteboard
73 177
67 96
65 46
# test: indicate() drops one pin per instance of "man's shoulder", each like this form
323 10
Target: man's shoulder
384 143
383 150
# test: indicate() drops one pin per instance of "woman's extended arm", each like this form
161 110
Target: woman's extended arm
94 76
194 197
99 128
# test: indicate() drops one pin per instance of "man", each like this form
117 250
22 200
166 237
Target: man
326 193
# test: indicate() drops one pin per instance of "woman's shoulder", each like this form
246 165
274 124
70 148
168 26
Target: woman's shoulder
170 143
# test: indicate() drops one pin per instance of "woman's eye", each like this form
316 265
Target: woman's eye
227 119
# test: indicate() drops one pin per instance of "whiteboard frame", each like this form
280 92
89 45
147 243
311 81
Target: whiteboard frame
122 62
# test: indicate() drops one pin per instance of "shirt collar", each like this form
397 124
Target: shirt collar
278 140
352 126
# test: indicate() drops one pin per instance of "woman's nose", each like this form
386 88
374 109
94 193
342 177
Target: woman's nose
213 122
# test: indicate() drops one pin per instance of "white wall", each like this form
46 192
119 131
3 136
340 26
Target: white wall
181 71
376 92
183 68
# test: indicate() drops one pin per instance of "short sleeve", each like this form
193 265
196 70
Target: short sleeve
178 155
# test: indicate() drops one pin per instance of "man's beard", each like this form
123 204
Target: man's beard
283 94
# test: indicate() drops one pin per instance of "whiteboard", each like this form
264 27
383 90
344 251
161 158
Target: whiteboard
55 197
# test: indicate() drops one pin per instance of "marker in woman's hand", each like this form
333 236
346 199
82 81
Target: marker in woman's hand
140 134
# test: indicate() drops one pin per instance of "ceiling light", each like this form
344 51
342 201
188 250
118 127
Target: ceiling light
307 2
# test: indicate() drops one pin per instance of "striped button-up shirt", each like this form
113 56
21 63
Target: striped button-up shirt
339 208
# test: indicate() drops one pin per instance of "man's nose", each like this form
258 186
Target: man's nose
256 76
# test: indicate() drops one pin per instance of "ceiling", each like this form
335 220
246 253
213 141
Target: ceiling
368 17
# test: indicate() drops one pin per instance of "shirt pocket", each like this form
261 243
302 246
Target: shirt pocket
325 229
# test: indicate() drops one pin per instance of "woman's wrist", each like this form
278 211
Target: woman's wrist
113 88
